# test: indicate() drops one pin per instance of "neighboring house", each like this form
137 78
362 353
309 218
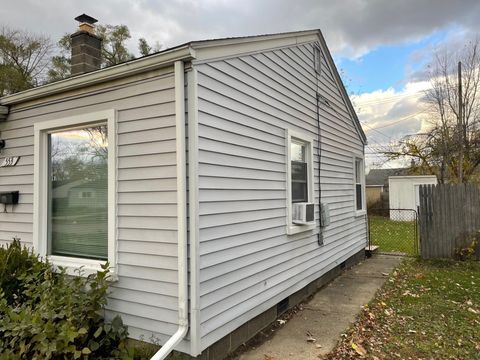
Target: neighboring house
91 194
376 183
264 125
404 194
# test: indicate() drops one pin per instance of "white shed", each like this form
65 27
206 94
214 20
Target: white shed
264 125
404 195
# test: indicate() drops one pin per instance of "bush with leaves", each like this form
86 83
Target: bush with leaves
51 315
16 261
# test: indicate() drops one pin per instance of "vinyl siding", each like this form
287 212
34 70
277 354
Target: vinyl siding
145 294
247 261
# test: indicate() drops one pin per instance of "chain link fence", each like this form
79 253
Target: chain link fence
393 231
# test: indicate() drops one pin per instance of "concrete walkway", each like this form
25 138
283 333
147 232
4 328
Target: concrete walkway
327 315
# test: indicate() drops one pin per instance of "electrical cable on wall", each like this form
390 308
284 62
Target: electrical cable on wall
319 144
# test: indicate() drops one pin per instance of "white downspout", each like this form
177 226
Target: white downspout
193 212
168 347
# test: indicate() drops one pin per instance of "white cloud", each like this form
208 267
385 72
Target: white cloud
389 115
352 27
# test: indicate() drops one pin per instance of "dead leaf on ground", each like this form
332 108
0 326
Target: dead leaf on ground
311 339
359 349
268 357
419 275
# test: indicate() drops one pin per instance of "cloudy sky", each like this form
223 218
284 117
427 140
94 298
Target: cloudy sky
380 46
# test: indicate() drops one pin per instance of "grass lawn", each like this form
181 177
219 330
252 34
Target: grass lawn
426 310
392 236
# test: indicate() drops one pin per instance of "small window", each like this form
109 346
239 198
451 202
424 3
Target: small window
359 171
86 194
299 171
317 59
300 186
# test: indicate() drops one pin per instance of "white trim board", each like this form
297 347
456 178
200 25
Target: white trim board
40 189
304 137
363 211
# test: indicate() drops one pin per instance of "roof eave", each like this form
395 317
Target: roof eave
162 59
200 44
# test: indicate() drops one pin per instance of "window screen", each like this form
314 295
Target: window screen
358 184
78 192
299 172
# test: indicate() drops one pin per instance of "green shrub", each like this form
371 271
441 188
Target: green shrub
15 261
47 314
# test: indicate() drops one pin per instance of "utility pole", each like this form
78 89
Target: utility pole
460 124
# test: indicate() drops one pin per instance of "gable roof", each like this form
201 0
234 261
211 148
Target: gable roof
195 51
380 176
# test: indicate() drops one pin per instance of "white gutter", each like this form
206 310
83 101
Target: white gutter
151 62
168 347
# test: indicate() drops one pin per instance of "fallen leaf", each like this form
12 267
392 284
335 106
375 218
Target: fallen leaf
318 346
268 357
311 339
281 322
359 349
473 310
412 331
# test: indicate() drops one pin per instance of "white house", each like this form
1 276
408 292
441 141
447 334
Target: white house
405 195
204 255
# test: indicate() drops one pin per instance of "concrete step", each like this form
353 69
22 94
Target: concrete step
370 250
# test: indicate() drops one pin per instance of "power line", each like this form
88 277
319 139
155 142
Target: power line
384 161
395 122
389 99
381 133
397 97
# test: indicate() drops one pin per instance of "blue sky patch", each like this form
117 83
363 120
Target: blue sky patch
387 66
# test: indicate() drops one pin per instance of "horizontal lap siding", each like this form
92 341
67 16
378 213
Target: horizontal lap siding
247 262
146 292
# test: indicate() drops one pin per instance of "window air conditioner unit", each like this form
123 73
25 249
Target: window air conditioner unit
303 213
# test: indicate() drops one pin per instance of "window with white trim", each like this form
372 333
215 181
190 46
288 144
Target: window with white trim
75 190
299 166
300 188
359 184
78 159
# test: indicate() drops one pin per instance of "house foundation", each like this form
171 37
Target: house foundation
231 342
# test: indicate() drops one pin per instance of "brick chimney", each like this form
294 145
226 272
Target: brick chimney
86 47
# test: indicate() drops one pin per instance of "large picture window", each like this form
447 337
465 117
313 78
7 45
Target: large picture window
74 191
78 192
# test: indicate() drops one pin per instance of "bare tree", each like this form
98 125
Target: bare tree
24 58
453 134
